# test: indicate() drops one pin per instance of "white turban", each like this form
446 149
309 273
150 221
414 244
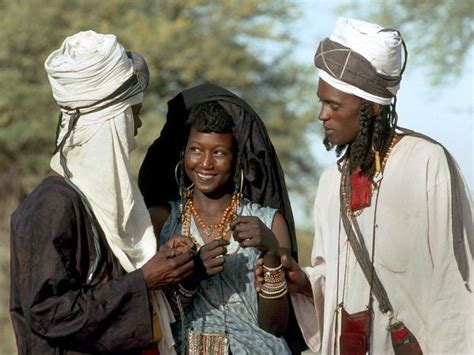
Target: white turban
379 46
88 68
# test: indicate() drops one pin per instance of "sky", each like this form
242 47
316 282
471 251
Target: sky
444 113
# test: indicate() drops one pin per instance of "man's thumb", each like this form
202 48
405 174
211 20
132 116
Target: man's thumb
286 261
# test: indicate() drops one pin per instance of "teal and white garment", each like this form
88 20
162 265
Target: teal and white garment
228 301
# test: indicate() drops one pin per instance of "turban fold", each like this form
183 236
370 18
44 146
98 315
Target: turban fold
362 59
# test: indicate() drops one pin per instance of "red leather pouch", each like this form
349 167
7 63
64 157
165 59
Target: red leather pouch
403 340
355 332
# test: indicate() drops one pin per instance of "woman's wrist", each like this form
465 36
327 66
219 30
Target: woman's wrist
191 283
272 258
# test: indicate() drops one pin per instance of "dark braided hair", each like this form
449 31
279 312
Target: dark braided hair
374 133
211 117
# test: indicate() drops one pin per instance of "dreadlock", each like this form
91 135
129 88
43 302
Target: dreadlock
375 131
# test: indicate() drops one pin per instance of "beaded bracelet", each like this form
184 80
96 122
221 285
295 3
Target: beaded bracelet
278 268
185 292
274 292
273 297
274 285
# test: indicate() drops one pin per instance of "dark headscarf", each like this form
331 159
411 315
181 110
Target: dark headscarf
264 182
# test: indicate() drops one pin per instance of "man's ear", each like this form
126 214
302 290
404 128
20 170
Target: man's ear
375 108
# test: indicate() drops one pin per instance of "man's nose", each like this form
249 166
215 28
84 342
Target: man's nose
324 113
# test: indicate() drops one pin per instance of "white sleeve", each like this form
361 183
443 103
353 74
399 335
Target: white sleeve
449 323
310 312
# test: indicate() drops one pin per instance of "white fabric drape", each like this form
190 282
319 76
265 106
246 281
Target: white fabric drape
85 69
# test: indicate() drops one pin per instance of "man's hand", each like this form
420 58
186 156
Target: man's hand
180 242
296 279
168 266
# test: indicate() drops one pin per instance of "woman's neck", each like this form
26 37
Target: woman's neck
211 206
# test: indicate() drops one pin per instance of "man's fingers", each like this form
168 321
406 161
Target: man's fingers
287 262
181 241
186 268
182 258
169 252
259 271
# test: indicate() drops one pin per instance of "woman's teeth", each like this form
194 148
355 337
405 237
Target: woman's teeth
204 176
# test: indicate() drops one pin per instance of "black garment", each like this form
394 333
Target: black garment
264 179
52 310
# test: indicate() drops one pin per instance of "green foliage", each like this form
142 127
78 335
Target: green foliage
185 42
242 45
438 33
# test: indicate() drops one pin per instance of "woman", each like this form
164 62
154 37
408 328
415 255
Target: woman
221 136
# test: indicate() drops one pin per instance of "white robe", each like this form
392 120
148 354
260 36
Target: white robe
414 257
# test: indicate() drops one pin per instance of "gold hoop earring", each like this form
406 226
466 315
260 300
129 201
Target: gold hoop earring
176 178
185 191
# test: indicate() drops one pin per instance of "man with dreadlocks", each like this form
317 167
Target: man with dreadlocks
392 250
85 274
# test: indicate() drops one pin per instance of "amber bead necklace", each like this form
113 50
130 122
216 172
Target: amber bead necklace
220 230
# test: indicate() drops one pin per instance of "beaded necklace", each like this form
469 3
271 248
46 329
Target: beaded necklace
221 229
210 229
376 179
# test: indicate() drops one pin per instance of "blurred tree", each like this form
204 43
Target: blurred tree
438 33
242 45
186 42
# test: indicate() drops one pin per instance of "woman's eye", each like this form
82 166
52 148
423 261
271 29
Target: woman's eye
221 153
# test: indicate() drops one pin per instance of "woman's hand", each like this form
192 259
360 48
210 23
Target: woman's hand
211 256
252 232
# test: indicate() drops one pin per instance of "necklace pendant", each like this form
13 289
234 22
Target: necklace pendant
361 191
207 232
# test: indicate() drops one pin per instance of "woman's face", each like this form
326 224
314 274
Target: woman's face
208 161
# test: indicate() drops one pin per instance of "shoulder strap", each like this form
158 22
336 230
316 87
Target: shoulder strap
360 250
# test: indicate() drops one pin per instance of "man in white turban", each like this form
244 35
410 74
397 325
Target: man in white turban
392 255
86 274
